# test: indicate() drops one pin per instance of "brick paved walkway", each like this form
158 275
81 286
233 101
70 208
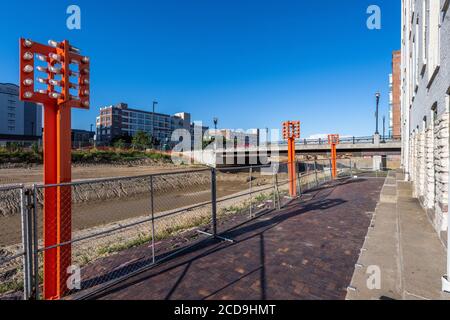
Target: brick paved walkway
306 251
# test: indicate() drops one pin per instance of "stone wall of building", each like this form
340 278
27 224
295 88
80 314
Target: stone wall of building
429 159
425 104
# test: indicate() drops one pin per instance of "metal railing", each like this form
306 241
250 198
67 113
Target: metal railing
120 227
347 140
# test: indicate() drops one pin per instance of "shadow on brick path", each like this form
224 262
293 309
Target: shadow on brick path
305 251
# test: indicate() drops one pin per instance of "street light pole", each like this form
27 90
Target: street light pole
153 121
377 96
216 121
384 127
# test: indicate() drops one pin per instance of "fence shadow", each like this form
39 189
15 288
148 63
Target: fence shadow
244 232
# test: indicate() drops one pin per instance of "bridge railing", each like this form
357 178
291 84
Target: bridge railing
346 140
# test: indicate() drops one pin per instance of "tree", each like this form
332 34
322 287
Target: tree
141 140
119 144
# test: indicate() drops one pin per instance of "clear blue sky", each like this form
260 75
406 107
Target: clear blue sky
252 63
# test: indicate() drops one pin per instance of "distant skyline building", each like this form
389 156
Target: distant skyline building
82 138
19 121
395 95
119 120
242 138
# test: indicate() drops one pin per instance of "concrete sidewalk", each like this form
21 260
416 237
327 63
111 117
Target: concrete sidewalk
402 244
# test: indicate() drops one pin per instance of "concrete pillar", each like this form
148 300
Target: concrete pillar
377 160
376 139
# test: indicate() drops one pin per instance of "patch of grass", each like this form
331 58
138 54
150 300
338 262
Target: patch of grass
140 240
34 156
13 285
173 230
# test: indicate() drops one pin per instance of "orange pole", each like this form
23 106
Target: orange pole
291 168
64 212
50 201
333 160
57 200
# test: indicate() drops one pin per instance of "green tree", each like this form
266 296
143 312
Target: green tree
141 140
35 147
119 144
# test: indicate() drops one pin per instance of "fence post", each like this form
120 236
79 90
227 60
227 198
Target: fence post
35 245
214 201
152 196
315 172
331 170
26 241
251 191
277 192
351 168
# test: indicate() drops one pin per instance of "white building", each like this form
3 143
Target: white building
236 138
425 103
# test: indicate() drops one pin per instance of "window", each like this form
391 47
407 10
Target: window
11 128
425 32
11 115
445 7
433 39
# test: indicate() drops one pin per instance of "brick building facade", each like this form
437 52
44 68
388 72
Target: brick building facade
395 95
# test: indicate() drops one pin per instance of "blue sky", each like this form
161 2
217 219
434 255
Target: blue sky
253 64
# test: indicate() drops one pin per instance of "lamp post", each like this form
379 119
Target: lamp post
216 121
384 128
377 96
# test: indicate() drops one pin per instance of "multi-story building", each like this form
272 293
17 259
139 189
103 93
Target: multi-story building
395 95
82 138
120 120
239 137
19 121
425 103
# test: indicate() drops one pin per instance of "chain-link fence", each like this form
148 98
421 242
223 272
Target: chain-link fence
80 237
111 221
14 244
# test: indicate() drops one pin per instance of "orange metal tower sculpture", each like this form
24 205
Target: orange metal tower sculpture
333 140
58 97
291 132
